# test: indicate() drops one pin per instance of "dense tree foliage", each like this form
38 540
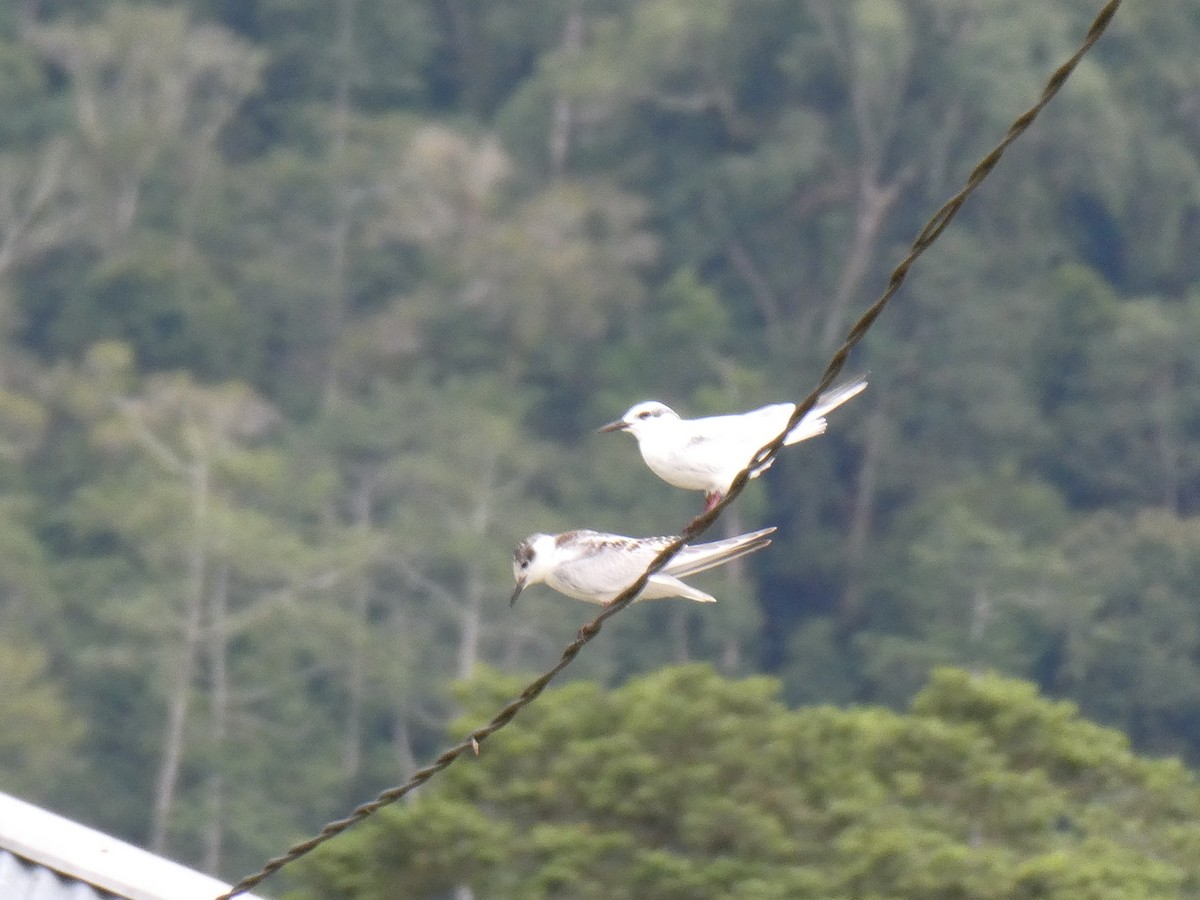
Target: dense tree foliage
309 311
683 784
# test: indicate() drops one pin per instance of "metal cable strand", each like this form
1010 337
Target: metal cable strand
928 234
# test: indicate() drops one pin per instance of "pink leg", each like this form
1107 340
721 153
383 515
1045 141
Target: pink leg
711 499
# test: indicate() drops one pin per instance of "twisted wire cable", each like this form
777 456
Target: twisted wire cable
927 235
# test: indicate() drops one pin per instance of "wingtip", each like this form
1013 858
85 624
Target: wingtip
848 389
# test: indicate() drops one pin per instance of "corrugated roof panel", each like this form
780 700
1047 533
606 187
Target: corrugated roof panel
81 858
21 879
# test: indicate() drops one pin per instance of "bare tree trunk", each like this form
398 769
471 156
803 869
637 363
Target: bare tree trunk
677 623
564 109
335 310
218 664
873 202
862 514
32 213
356 679
764 294
28 16
179 702
471 628
981 616
731 647
339 236
356 665
479 521
1168 448
406 758
873 109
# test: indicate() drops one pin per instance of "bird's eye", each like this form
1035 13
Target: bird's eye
644 414
523 557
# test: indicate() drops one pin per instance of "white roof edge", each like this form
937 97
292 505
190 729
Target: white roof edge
99 859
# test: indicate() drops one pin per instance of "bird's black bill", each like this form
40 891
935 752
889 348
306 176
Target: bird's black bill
619 425
516 593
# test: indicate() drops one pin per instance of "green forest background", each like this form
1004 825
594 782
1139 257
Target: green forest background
310 309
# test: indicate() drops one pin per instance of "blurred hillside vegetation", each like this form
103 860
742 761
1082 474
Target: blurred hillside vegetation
310 308
682 783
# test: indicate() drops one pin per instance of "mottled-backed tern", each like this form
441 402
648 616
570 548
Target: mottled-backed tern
595 567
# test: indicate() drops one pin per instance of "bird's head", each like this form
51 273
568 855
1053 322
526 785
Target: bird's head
641 417
531 560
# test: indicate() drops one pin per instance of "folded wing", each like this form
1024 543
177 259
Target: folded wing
608 563
701 557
